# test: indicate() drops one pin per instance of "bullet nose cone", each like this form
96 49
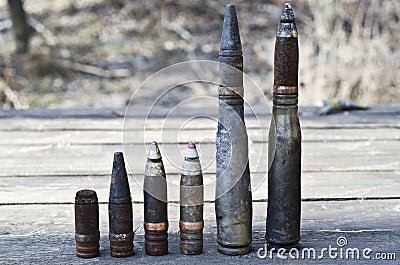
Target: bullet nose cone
287 26
154 152
118 158
119 179
191 151
230 39
287 14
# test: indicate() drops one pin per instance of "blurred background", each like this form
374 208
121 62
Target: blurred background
95 53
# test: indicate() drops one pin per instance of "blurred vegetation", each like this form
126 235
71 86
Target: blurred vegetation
95 53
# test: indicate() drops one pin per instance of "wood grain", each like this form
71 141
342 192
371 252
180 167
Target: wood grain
350 179
171 136
44 233
327 185
97 159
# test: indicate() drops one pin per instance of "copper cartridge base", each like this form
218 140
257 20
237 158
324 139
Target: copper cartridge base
156 238
191 235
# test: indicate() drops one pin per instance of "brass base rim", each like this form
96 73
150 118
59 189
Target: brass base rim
121 255
87 250
156 253
286 247
234 251
191 252
156 249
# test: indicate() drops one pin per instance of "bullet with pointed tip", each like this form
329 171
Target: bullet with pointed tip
155 204
191 221
230 39
87 234
120 210
284 146
233 203
230 56
286 62
287 15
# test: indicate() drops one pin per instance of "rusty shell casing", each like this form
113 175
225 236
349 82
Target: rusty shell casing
120 211
284 150
233 203
155 204
87 234
191 221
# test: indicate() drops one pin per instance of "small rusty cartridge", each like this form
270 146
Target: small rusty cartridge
87 234
191 221
120 210
233 202
284 148
155 204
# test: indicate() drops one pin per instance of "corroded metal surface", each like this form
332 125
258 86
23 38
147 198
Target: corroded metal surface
191 221
233 203
284 149
87 234
155 204
120 210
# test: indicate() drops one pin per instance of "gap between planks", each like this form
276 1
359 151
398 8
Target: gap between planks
212 202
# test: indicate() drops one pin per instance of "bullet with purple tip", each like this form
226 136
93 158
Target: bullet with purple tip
191 221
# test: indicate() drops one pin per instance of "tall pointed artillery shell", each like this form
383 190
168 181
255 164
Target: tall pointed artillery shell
155 204
120 210
233 203
87 234
284 149
191 221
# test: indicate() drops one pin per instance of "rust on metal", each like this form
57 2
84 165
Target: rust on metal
191 221
286 63
87 234
284 149
287 90
230 91
233 202
120 210
155 204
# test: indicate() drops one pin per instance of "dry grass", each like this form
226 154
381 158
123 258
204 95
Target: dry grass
351 51
349 48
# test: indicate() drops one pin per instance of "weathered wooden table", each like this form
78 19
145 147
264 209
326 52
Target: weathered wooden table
350 182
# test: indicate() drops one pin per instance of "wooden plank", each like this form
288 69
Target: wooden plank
344 157
44 233
92 159
30 124
112 119
142 110
38 189
117 124
181 136
60 249
378 215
